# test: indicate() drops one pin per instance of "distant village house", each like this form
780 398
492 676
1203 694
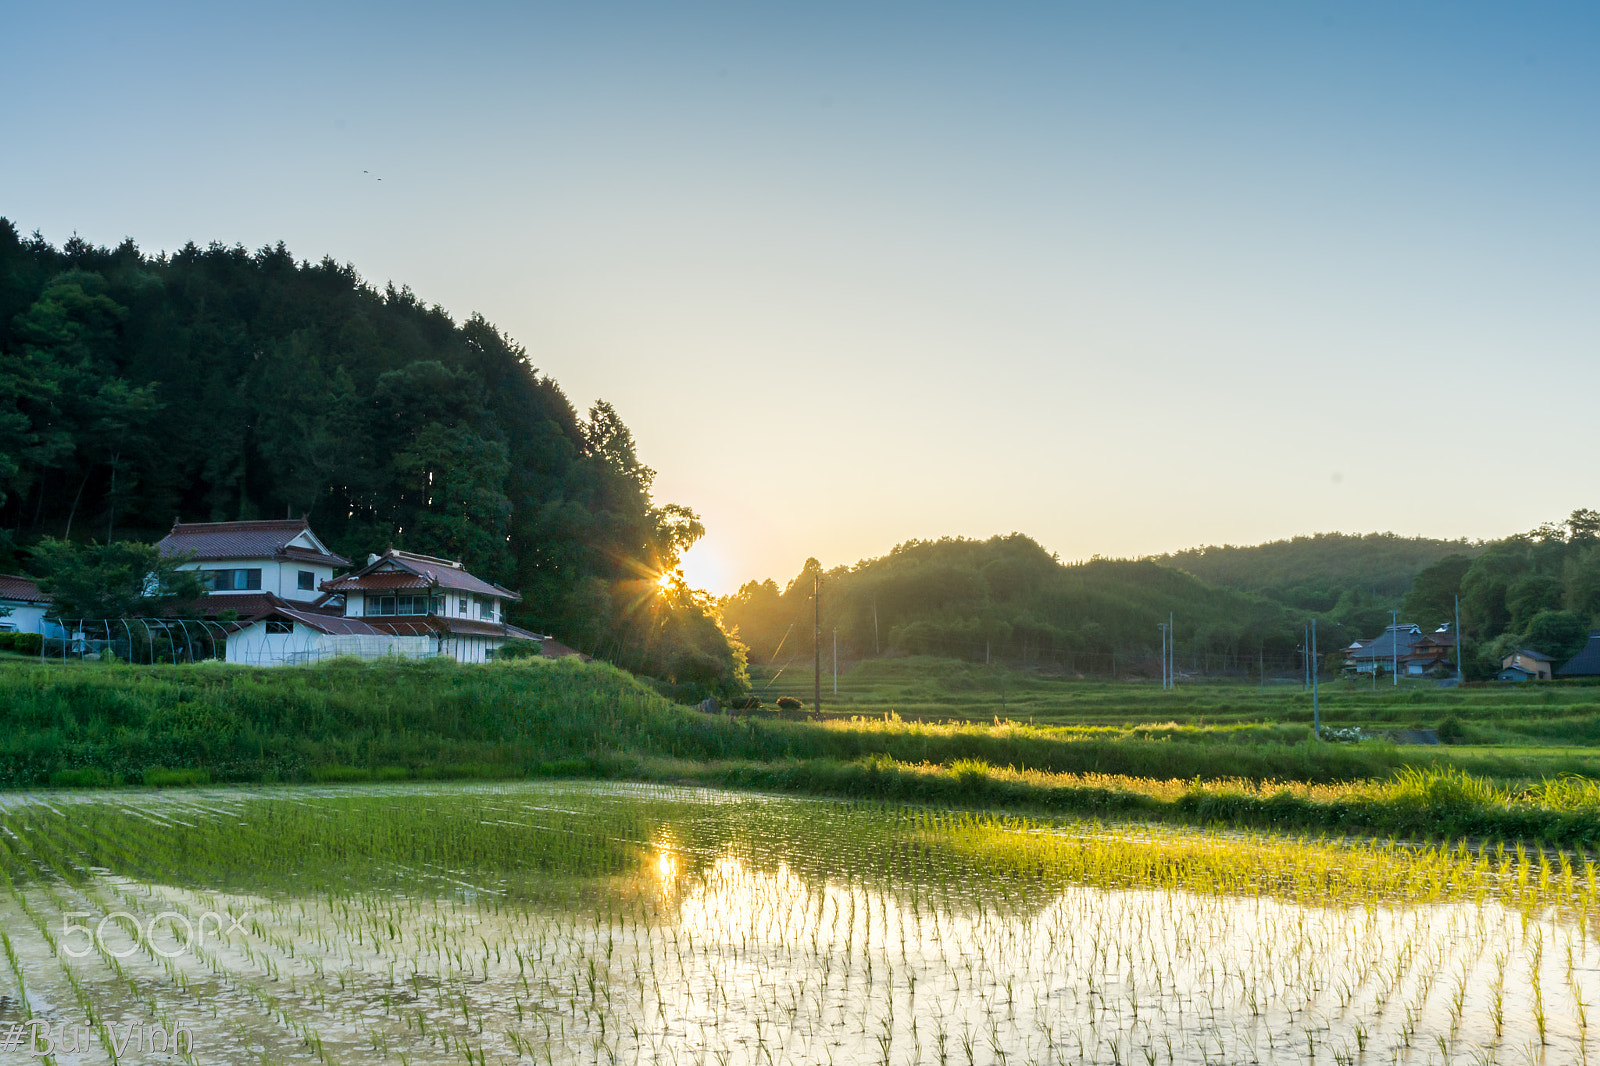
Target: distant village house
1586 663
1403 648
1525 664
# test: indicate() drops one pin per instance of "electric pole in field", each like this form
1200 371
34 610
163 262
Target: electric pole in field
1316 711
816 641
1163 627
1172 652
1460 676
836 661
1394 646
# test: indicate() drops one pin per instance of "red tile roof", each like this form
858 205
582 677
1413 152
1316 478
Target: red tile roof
467 627
416 572
20 588
244 540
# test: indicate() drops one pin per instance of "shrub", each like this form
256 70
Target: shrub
161 777
518 649
789 703
87 777
22 643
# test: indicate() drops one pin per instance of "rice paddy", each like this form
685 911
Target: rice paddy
559 922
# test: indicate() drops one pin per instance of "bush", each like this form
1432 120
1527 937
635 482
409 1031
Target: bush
744 703
161 777
789 703
22 643
87 777
518 649
1450 731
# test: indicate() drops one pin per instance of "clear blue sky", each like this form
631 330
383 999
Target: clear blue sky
1127 277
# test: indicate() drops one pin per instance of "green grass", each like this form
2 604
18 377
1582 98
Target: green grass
1182 755
948 688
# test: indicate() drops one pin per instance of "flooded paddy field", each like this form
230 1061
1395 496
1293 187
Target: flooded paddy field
594 923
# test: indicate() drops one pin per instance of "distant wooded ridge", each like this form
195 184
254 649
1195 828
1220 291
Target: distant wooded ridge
1234 607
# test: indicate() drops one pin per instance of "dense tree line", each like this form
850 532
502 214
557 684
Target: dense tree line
217 383
1334 573
1008 598
1537 590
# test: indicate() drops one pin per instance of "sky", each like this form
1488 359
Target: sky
1126 277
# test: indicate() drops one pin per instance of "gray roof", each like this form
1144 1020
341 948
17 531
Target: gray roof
1383 647
244 540
1586 663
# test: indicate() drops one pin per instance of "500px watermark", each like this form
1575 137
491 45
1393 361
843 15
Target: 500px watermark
118 933
38 1038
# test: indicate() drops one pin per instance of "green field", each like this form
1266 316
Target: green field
939 689
1200 754
1134 877
577 922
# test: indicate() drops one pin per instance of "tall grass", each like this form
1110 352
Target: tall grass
354 721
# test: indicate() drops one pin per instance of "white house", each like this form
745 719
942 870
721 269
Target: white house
27 605
399 591
251 559
274 599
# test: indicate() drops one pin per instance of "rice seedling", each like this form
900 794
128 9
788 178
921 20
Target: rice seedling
596 923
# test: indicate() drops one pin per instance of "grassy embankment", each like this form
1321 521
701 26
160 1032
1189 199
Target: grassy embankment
1203 759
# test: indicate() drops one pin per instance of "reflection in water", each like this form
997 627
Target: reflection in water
764 931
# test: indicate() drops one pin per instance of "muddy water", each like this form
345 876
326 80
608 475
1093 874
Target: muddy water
599 924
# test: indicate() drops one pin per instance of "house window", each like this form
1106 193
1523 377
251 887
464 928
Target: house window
234 580
380 605
463 607
275 627
308 581
411 605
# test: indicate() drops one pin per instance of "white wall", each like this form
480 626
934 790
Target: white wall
254 646
277 577
24 618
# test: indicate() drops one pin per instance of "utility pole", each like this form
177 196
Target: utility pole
1172 653
1163 627
835 661
1263 668
1305 659
1394 646
1316 711
1460 676
875 628
816 641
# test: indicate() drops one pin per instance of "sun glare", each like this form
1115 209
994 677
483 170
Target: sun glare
664 581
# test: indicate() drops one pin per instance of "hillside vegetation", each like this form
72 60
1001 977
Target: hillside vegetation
1236 610
1008 598
219 384
1338 574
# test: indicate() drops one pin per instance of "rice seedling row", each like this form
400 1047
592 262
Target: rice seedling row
586 923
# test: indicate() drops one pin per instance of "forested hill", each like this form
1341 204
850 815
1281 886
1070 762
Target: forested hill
217 383
1009 598
1315 572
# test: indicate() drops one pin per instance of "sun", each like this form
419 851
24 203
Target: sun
664 582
